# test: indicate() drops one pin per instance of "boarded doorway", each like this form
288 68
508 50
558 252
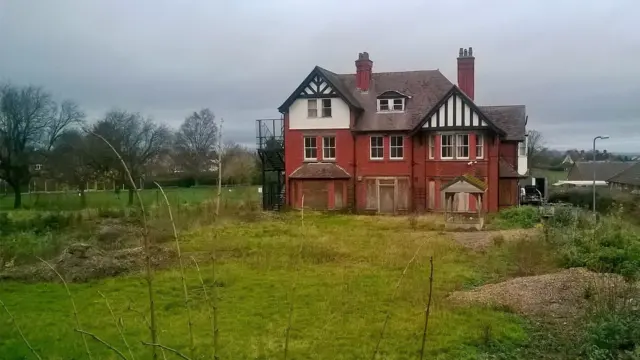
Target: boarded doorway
387 199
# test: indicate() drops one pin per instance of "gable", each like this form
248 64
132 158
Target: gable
320 83
318 87
455 112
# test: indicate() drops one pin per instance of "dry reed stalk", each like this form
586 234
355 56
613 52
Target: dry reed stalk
146 245
15 324
178 353
214 305
293 286
73 304
146 322
96 338
115 321
393 296
427 310
219 169
211 316
182 277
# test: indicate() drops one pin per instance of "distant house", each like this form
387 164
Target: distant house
604 170
628 179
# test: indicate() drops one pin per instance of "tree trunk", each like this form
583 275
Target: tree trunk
83 198
131 191
17 197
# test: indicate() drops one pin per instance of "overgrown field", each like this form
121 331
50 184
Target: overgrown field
110 199
344 285
346 271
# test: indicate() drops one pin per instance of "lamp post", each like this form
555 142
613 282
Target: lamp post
603 137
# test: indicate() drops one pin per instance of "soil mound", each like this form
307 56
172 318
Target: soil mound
558 297
83 262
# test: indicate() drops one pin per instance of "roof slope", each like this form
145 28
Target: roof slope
319 171
425 88
604 170
630 176
506 170
510 118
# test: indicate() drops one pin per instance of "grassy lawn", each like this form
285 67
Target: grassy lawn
345 283
109 199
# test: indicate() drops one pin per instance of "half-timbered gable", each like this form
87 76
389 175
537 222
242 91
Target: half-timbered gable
455 111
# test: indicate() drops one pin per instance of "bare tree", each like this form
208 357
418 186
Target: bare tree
196 142
73 162
138 140
238 164
535 146
30 123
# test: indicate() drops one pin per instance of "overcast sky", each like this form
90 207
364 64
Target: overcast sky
574 64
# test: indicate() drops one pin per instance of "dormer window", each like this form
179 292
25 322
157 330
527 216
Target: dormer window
392 101
390 105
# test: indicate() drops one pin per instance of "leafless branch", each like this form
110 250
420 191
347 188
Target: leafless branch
115 321
15 324
427 309
96 338
168 349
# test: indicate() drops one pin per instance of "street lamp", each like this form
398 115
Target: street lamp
603 137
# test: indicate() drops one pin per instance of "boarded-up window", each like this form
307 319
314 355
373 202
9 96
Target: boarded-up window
338 192
372 194
403 194
431 195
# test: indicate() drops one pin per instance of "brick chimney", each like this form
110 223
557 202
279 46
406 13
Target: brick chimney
466 71
364 67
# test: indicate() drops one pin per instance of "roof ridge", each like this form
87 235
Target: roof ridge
502 105
395 72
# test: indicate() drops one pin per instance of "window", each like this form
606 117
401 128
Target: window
329 148
326 107
310 149
396 148
447 146
479 146
398 104
390 105
522 148
462 146
377 147
312 108
432 146
38 167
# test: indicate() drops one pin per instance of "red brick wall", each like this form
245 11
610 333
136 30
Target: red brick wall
384 167
509 151
294 150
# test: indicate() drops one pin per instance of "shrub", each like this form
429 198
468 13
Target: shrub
517 217
612 334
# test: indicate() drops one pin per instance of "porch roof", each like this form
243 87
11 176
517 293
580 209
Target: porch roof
465 183
320 170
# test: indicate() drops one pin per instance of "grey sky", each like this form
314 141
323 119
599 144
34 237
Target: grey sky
573 63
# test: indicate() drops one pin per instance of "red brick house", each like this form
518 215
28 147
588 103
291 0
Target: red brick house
392 142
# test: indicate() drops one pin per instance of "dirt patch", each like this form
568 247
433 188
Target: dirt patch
84 262
560 297
481 240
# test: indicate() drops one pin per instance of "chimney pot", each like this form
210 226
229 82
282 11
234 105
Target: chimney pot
461 51
470 51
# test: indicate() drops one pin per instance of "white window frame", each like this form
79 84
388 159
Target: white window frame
309 109
323 108
390 104
396 147
522 148
432 146
479 146
309 147
451 146
329 147
459 146
38 167
376 146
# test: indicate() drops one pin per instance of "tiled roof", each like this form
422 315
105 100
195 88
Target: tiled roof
468 179
319 171
510 118
630 176
506 170
604 170
426 88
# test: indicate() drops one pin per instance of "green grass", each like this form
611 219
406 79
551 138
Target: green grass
109 199
350 267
